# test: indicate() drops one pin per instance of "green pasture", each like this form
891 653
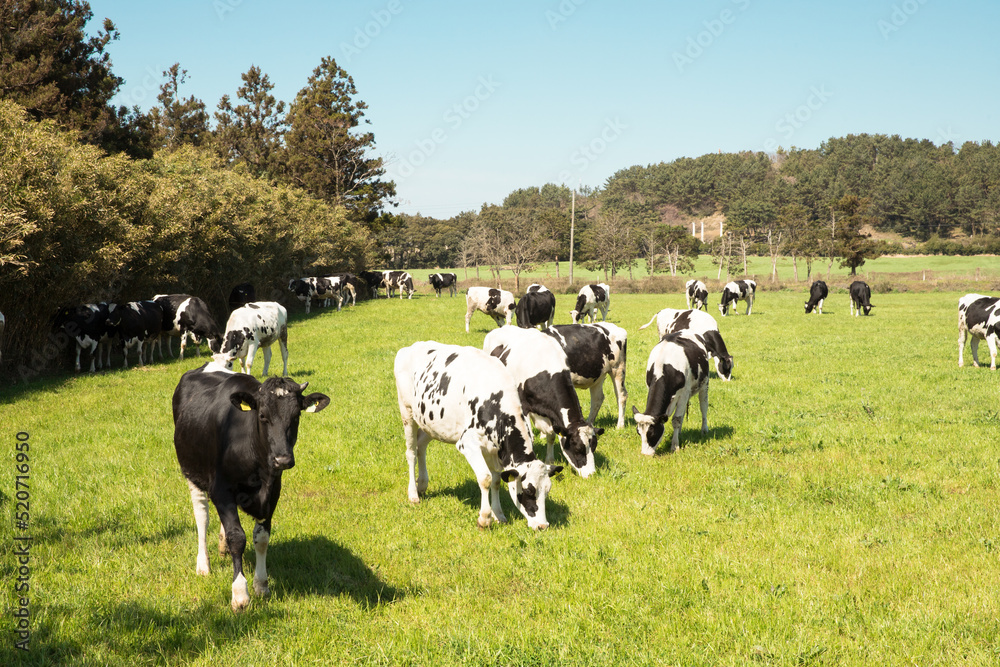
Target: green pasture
842 510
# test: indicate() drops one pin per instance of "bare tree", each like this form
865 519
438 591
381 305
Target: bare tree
611 243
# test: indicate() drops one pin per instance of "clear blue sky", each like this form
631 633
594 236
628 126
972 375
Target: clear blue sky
472 99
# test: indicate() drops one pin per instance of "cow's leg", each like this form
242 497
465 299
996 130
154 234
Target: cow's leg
199 499
236 543
416 459
596 401
489 481
223 547
468 316
991 343
680 411
550 439
703 403
974 344
79 348
961 346
819 307
621 393
107 346
261 537
267 360
283 342
248 360
749 305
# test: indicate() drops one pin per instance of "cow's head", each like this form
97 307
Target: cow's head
649 428
868 308
529 484
277 404
574 315
809 307
724 367
578 447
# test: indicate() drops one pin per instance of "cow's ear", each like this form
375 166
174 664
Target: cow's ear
243 400
635 411
509 475
555 470
315 402
600 431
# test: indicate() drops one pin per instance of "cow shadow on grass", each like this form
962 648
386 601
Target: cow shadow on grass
469 495
315 565
694 436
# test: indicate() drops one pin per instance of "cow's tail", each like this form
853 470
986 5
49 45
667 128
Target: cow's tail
647 323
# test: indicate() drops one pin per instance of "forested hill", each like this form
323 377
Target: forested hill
914 187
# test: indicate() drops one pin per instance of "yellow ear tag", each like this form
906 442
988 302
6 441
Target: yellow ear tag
245 407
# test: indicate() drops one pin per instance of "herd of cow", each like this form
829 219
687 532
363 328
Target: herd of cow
235 435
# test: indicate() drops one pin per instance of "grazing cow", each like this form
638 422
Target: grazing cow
255 325
594 351
536 307
88 326
737 290
373 280
234 437
979 316
861 295
440 281
817 293
591 298
464 396
677 368
241 295
135 323
702 326
349 286
497 303
696 293
400 280
538 364
185 315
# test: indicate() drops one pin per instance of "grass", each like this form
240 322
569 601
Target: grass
840 511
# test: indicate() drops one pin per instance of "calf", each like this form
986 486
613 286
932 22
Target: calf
536 307
440 281
700 325
979 316
697 294
594 351
398 280
464 396
538 364
255 325
677 368
737 290
88 326
373 281
497 303
185 315
241 295
234 437
817 293
861 296
591 298
135 323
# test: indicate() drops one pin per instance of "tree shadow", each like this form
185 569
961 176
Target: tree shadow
315 565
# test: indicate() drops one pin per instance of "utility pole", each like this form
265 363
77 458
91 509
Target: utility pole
572 228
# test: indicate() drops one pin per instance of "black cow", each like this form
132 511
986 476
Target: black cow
374 281
440 281
185 315
241 295
536 307
88 326
817 293
861 296
135 323
234 436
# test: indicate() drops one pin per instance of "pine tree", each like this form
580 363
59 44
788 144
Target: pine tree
251 132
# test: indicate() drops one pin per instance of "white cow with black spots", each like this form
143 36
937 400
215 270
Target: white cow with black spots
256 325
464 396
497 303
591 299
699 324
979 319
737 290
593 352
696 294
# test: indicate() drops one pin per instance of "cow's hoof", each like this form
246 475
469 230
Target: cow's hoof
261 589
484 521
648 452
241 599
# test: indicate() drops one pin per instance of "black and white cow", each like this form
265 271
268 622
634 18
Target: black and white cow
440 281
594 351
536 308
979 316
861 295
349 286
696 293
374 281
255 325
320 289
737 290
538 364
135 323
590 299
241 295
234 437
398 280
497 303
702 326
464 396
185 315
817 293
88 326
676 369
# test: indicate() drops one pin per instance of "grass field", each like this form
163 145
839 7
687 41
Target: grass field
842 510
